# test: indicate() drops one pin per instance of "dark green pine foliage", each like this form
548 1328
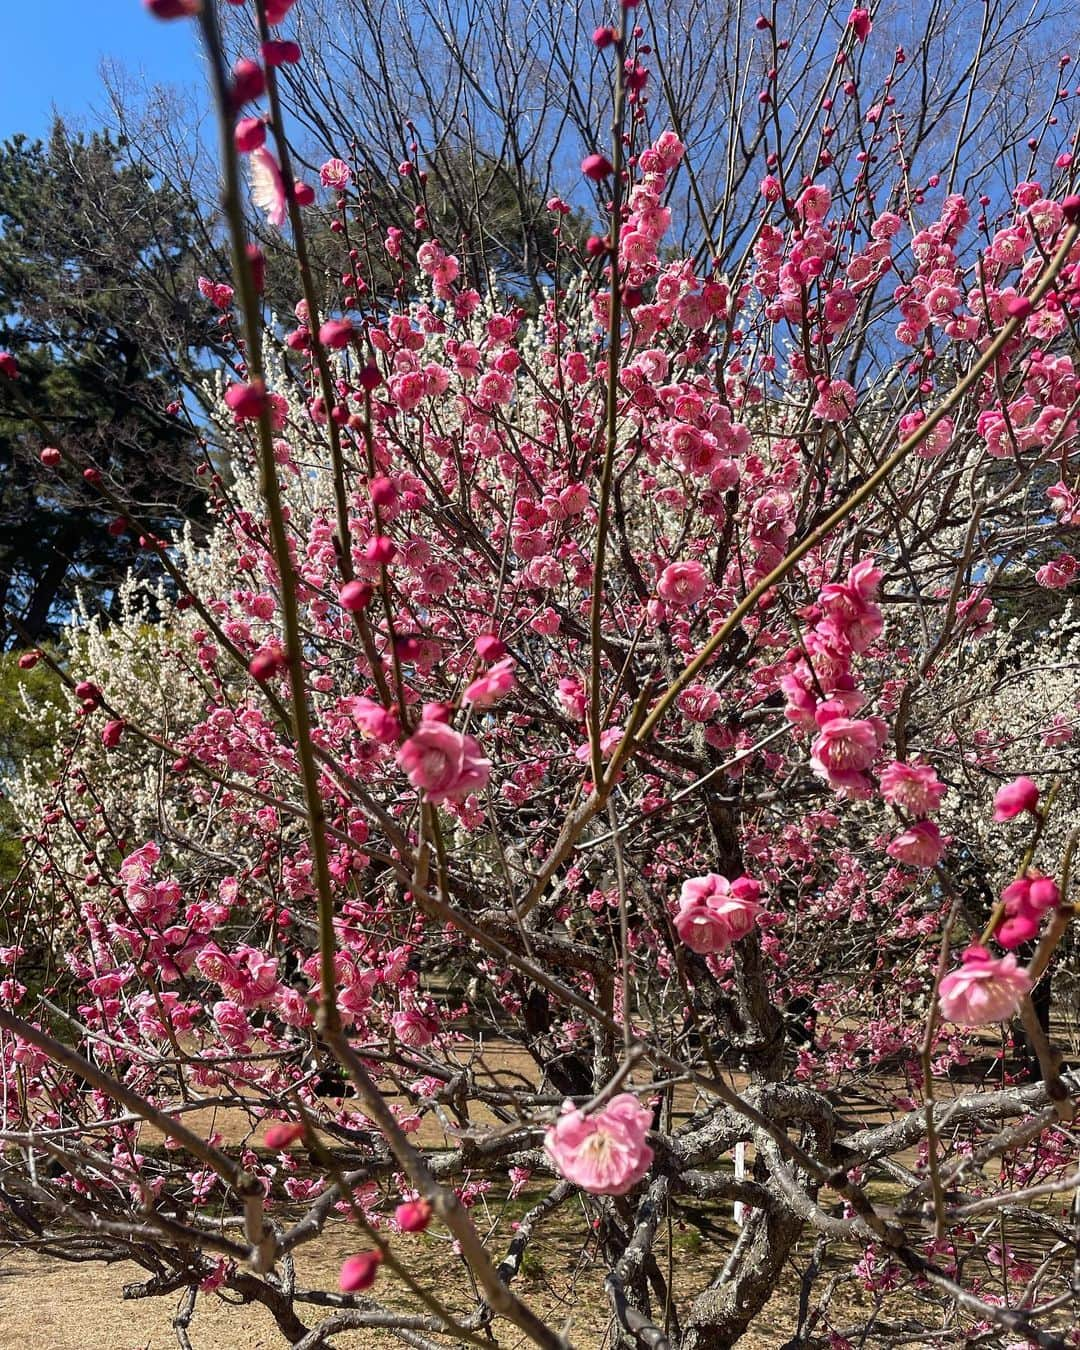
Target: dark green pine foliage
99 304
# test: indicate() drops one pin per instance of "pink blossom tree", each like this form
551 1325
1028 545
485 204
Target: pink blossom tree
589 745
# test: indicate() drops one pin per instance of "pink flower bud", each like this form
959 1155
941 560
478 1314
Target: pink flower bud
1043 894
112 734
336 334
88 692
859 21
596 245
603 37
303 193
281 1135
1070 209
489 647
246 401
248 83
383 492
173 9
250 133
280 53
1014 798
359 1272
9 367
28 660
596 167
1018 929
266 664
354 596
413 1216
50 457
380 549
1019 307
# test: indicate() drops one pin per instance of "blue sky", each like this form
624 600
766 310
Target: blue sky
54 50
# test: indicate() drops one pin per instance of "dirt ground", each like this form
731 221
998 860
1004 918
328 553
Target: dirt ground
50 1305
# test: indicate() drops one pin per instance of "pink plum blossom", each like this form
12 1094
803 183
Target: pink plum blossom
335 173
682 583
1015 798
1058 572
714 912
920 845
1026 900
443 763
844 748
985 989
267 186
604 1153
913 786
496 684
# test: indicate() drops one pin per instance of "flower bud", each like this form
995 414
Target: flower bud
413 1216
1019 307
88 692
354 596
383 492
173 9
250 134
265 665
359 1271
246 400
248 84
281 1135
597 167
336 334
380 549
112 734
489 647
280 53
1015 798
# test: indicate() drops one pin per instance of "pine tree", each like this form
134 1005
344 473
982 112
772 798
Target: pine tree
99 305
